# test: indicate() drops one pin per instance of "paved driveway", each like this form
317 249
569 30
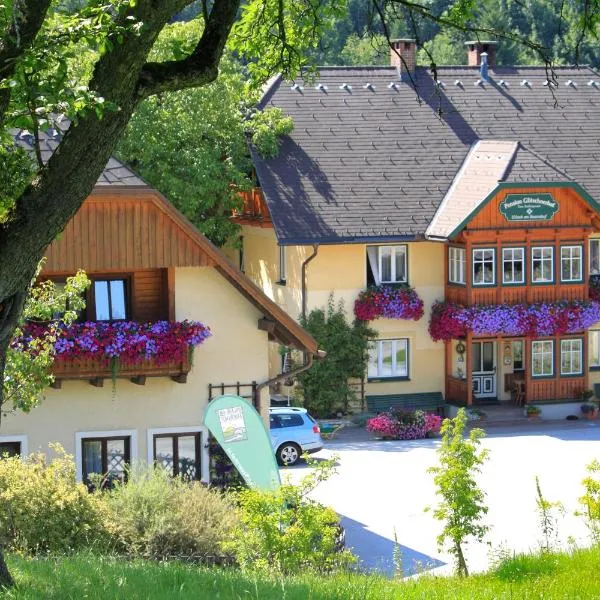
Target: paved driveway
381 489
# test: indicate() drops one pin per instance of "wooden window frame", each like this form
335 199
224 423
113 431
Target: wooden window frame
394 376
128 290
553 265
494 266
512 262
543 375
581 357
174 436
456 260
592 242
104 453
570 258
594 338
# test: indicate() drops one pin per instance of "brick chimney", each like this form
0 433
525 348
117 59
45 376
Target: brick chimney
407 49
475 49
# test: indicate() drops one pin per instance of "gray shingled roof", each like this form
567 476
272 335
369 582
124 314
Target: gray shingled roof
372 163
115 172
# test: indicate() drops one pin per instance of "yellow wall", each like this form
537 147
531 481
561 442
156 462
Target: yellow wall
341 269
236 351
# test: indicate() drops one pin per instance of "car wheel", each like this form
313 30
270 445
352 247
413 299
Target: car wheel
288 454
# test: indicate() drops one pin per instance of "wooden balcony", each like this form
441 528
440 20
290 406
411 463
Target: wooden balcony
254 211
523 294
97 370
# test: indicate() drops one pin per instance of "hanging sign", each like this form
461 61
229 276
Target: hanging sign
241 432
529 207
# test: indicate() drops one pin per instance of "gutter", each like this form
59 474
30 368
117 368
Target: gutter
308 363
304 266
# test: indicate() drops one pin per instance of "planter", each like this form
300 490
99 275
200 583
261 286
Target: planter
591 415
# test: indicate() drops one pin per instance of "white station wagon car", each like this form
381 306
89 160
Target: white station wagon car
293 432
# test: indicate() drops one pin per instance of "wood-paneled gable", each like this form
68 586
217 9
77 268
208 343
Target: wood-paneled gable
124 230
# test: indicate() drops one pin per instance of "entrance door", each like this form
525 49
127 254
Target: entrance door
484 369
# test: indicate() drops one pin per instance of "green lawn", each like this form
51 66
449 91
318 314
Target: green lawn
572 576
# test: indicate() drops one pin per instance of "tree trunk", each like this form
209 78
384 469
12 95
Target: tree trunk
10 311
462 563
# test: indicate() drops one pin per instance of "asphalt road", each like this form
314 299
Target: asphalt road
381 489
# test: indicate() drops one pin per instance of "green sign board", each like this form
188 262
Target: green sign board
529 207
241 432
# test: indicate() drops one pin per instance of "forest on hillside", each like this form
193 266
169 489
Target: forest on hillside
358 38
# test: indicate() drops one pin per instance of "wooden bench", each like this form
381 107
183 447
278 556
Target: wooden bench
428 401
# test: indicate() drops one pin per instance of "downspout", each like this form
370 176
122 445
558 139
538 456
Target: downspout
304 265
308 362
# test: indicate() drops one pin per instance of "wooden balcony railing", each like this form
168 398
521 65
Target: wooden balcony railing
97 370
255 210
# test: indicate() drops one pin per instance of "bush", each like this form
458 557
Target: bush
285 531
44 509
156 516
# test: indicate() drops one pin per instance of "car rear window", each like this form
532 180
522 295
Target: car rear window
290 420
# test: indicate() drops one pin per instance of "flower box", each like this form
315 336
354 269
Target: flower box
388 302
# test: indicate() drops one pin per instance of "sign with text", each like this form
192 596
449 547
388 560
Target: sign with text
241 432
529 207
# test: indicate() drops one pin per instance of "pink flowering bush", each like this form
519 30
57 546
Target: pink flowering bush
452 321
125 341
388 302
397 424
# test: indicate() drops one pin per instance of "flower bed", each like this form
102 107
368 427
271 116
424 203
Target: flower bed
125 341
388 302
404 425
452 321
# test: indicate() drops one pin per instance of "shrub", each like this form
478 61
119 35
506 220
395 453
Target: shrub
284 530
156 516
44 509
590 501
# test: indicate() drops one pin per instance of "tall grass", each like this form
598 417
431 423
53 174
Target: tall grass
549 576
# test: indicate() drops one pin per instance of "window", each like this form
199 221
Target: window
542 359
595 257
517 352
513 265
457 259
281 267
386 264
484 272
542 264
283 420
571 357
594 350
571 262
110 300
106 457
10 449
389 358
179 454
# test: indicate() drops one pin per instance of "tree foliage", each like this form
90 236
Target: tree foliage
462 503
325 387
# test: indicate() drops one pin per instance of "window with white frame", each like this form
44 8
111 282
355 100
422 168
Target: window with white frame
13 445
386 264
595 256
542 358
484 267
103 457
571 357
282 266
542 264
594 348
389 358
513 265
571 263
457 260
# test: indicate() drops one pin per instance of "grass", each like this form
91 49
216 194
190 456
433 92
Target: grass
571 575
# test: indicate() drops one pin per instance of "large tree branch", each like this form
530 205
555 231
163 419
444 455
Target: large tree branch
201 66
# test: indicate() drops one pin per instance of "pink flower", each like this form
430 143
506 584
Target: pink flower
388 302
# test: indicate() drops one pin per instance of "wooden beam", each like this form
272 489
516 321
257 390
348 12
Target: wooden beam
181 378
139 380
265 324
171 293
97 382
